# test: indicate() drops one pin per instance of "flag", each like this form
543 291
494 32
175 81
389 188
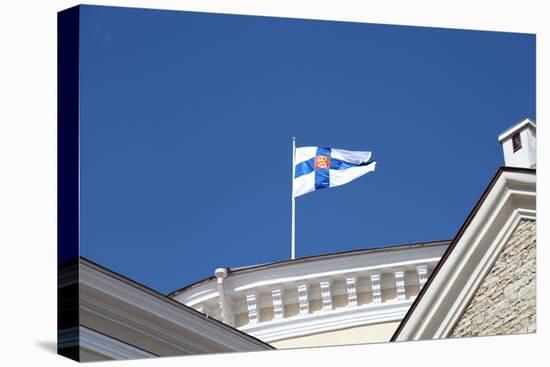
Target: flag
317 168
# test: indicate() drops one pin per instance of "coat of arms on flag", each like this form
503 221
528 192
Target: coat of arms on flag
322 161
318 168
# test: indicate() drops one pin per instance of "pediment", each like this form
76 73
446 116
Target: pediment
509 199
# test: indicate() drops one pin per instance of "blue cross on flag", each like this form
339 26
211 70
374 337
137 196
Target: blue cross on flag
317 168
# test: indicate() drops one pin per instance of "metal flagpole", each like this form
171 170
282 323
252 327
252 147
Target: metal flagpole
293 238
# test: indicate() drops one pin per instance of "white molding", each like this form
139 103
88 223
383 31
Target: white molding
375 278
106 346
511 199
322 279
303 297
277 294
313 323
116 316
271 280
338 288
252 305
326 297
334 267
519 126
422 271
399 275
351 287
483 268
228 316
200 307
120 303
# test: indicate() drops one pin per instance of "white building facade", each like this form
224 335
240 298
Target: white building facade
344 298
483 282
366 296
117 318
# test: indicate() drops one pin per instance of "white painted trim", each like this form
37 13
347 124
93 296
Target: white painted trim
210 293
422 271
376 288
140 325
252 307
519 126
400 283
334 267
351 288
108 347
323 279
117 301
338 288
384 268
277 295
326 296
320 321
485 265
303 297
511 199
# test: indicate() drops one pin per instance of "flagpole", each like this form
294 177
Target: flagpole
293 230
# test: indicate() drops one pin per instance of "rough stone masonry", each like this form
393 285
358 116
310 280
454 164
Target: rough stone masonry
505 303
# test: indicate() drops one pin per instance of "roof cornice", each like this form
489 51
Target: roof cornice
308 259
100 288
509 197
520 125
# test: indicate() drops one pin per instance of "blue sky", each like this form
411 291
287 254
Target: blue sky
187 119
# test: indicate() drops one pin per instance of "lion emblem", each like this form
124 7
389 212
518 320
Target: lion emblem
322 161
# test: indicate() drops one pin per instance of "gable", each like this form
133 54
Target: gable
505 303
510 199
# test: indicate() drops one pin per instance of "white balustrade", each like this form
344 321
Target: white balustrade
351 288
226 313
375 278
400 284
329 286
252 299
326 296
303 296
422 271
277 294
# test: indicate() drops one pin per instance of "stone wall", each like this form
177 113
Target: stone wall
505 303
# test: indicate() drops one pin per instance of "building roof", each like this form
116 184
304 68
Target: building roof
308 259
452 247
516 127
140 288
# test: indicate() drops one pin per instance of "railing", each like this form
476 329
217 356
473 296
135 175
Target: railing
313 295
289 298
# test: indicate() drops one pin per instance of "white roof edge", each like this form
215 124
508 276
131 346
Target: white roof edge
347 253
513 197
96 280
516 127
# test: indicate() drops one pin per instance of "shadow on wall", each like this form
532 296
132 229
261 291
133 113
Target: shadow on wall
48 345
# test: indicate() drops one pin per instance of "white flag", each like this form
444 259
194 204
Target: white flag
317 168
